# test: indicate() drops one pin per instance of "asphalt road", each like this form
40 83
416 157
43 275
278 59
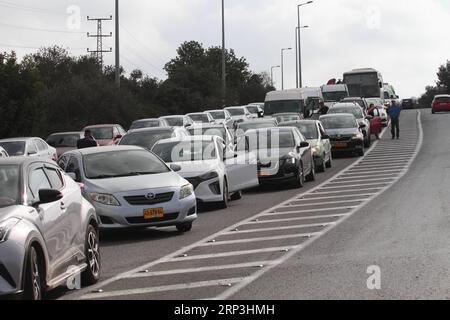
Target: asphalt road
405 232
314 243
123 251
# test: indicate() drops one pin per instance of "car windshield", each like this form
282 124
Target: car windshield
357 112
175 122
9 185
309 130
102 133
219 132
271 139
202 118
273 107
63 140
359 102
339 122
288 117
334 96
186 151
14 148
218 115
145 139
145 124
116 164
255 125
443 99
236 112
252 109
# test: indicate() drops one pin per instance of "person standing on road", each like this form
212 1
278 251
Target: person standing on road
376 126
394 112
88 141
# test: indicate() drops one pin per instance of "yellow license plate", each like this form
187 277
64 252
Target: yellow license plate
153 213
264 174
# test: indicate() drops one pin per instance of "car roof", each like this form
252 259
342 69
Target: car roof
194 113
286 123
147 119
285 114
100 126
235 107
207 125
345 105
23 161
337 115
158 129
188 138
258 121
171 117
19 139
97 150
286 129
353 98
67 133
442 96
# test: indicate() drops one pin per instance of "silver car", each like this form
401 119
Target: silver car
48 231
29 147
130 187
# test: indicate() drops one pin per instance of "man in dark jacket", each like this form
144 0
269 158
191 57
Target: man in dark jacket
88 141
394 112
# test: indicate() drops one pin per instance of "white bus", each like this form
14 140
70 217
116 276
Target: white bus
303 101
364 83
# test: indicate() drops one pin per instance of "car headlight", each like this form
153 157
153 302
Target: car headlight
6 226
209 176
358 136
186 191
289 159
106 199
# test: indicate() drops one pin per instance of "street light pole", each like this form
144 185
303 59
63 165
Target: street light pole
296 54
271 73
117 47
300 80
282 66
224 76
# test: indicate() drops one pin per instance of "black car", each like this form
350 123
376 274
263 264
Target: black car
408 104
345 133
283 155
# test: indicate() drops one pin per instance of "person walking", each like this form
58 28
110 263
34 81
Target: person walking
394 112
376 126
88 141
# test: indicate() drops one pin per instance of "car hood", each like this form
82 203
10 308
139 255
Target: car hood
273 154
196 168
134 183
347 131
11 211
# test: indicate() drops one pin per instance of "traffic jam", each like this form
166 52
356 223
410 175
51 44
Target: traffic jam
58 195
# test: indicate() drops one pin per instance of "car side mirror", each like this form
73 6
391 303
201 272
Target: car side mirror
304 144
175 168
49 196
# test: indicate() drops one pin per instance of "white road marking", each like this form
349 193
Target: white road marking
229 293
256 264
232 254
337 197
347 180
359 176
279 213
321 203
176 287
261 239
300 226
347 191
356 185
328 216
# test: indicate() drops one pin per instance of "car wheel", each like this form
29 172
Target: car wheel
225 197
312 175
300 178
236 196
184 227
91 275
329 164
433 112
323 166
34 276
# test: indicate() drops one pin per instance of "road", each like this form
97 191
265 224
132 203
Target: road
314 243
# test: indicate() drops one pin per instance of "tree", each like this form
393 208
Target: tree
442 86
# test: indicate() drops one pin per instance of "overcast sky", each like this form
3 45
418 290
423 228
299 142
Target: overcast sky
404 39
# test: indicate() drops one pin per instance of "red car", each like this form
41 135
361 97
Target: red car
441 103
106 134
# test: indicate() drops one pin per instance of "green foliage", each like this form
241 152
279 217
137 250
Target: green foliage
51 91
442 86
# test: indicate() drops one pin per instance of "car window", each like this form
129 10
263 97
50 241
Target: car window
62 161
102 133
14 148
32 147
146 139
9 185
74 167
63 140
55 178
37 181
41 145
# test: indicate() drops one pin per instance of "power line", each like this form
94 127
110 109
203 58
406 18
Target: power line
28 8
31 47
40 29
145 61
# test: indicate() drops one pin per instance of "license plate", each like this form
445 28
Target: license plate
264 174
153 213
340 145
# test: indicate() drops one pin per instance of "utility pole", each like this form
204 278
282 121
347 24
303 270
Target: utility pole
117 46
224 70
271 73
300 80
99 52
282 66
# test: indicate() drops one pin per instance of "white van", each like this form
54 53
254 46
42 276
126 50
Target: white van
334 93
303 101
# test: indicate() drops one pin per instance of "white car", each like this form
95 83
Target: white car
219 130
200 117
217 173
222 116
240 114
177 121
29 147
3 153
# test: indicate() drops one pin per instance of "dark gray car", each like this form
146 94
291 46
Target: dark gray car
48 231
